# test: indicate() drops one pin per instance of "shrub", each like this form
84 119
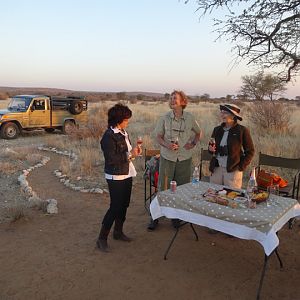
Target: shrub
271 115
4 96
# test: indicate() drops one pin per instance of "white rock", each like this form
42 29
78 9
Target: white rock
52 206
28 190
105 190
77 188
98 191
21 177
25 172
84 191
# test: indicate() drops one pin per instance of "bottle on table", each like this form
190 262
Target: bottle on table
195 178
252 183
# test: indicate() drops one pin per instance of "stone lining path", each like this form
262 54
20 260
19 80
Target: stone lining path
54 256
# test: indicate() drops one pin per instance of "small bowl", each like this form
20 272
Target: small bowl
240 199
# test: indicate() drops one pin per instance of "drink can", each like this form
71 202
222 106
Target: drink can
173 185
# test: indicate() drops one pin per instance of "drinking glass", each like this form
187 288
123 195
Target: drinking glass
176 142
272 190
212 142
139 145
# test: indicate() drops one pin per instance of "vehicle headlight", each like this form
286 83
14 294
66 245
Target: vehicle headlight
2 117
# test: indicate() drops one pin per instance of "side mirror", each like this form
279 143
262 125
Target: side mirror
32 108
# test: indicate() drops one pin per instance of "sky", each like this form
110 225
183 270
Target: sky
117 45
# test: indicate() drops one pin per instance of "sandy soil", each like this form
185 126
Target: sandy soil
54 257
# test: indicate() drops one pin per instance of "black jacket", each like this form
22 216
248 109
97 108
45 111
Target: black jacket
115 150
239 145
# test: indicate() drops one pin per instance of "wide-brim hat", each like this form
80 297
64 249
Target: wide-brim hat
233 109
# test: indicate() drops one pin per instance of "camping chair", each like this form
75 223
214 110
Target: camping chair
205 156
150 181
292 190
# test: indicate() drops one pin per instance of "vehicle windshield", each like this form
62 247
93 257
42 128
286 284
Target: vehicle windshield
19 104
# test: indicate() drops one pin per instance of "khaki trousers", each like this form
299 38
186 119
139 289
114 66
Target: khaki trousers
180 171
232 179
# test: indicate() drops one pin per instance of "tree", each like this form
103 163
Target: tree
140 97
205 97
265 33
260 86
121 96
167 96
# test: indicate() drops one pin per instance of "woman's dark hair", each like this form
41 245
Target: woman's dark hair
117 114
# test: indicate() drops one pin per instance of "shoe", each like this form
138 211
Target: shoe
175 223
121 236
152 225
118 233
102 240
102 245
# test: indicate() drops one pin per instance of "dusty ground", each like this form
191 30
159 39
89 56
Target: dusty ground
54 257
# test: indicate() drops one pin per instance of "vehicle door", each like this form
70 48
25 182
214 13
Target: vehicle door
39 114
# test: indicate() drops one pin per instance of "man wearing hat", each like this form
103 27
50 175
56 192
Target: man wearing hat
233 148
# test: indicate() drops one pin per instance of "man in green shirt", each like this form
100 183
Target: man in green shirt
177 132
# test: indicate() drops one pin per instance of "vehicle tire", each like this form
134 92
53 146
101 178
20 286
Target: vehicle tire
49 130
10 131
69 127
76 107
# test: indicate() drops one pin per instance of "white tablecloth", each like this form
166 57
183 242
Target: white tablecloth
197 211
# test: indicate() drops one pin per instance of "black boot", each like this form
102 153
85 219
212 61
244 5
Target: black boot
102 239
152 225
118 233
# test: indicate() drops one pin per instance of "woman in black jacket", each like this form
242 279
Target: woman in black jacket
233 148
119 171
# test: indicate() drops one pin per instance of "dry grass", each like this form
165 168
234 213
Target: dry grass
7 168
143 121
33 158
18 153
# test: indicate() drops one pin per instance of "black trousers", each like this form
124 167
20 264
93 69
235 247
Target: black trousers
120 192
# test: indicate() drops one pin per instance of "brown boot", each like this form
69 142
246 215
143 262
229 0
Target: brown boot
118 233
102 240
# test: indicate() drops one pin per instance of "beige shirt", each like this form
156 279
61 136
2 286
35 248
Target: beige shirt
171 128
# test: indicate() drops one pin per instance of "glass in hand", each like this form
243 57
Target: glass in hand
212 143
176 142
139 143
